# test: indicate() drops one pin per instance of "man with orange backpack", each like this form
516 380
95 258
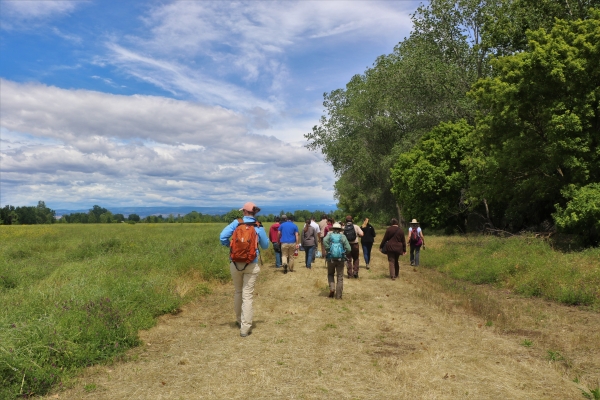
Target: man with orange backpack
243 236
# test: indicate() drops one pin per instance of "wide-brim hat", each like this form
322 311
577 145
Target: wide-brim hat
337 226
414 221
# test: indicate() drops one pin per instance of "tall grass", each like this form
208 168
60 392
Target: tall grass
76 295
525 265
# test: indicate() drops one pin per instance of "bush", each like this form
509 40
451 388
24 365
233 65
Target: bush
581 214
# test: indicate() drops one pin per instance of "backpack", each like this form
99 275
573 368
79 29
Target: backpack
336 250
244 243
415 239
350 232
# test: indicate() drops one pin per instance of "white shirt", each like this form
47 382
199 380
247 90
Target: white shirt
315 225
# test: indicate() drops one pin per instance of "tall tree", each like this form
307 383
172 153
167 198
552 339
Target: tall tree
539 130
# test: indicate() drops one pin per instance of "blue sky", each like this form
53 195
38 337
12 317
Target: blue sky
158 103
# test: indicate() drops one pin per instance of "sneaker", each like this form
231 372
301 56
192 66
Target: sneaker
245 334
331 293
367 267
412 263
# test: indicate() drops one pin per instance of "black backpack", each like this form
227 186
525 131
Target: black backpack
350 232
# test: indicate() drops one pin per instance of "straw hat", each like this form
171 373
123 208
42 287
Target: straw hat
337 226
414 221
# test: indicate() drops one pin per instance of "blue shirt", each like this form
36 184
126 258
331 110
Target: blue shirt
288 232
226 233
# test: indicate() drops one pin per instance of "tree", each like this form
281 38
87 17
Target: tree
581 215
98 211
430 181
539 129
133 217
385 111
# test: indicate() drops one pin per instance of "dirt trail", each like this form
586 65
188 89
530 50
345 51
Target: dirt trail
384 339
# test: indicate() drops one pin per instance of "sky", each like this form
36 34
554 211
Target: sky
171 103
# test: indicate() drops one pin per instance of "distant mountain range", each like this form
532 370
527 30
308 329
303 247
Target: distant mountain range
165 211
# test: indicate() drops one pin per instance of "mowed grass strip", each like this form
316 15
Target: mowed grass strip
76 295
526 265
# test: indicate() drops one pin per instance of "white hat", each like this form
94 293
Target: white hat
414 221
337 226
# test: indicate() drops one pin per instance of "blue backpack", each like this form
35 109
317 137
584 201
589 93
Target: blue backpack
336 250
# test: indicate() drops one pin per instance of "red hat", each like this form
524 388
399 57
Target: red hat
249 206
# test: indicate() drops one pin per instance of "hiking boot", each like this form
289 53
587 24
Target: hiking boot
331 294
238 324
355 276
245 334
367 267
285 268
414 270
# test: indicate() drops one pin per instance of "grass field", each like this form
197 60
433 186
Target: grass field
77 295
525 265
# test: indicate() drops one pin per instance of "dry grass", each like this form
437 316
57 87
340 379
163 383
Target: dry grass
403 340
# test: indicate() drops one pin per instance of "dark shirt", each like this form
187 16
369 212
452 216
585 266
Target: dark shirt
369 234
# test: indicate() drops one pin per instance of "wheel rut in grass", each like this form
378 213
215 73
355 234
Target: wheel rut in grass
384 339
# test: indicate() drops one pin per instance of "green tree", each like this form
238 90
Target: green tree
581 215
385 111
233 214
539 128
133 217
431 181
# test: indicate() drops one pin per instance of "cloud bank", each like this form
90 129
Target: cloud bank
77 146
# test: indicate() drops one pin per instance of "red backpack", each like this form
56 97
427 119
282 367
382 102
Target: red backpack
244 242
415 239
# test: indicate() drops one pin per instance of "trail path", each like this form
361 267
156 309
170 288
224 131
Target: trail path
384 339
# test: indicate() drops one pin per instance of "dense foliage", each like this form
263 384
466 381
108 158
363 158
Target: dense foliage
488 114
39 214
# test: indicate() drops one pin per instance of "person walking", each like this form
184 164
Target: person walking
274 238
318 231
309 242
352 233
246 235
322 225
336 247
395 245
289 239
415 241
367 240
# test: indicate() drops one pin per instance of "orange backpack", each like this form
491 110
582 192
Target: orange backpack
244 243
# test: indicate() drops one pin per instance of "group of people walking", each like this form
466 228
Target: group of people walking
339 245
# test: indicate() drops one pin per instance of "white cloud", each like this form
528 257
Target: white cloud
76 146
24 14
237 54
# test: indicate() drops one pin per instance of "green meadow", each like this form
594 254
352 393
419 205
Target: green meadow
525 265
76 295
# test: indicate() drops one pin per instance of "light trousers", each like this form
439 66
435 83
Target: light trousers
287 251
243 283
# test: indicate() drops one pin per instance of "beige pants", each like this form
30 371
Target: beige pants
287 250
243 282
